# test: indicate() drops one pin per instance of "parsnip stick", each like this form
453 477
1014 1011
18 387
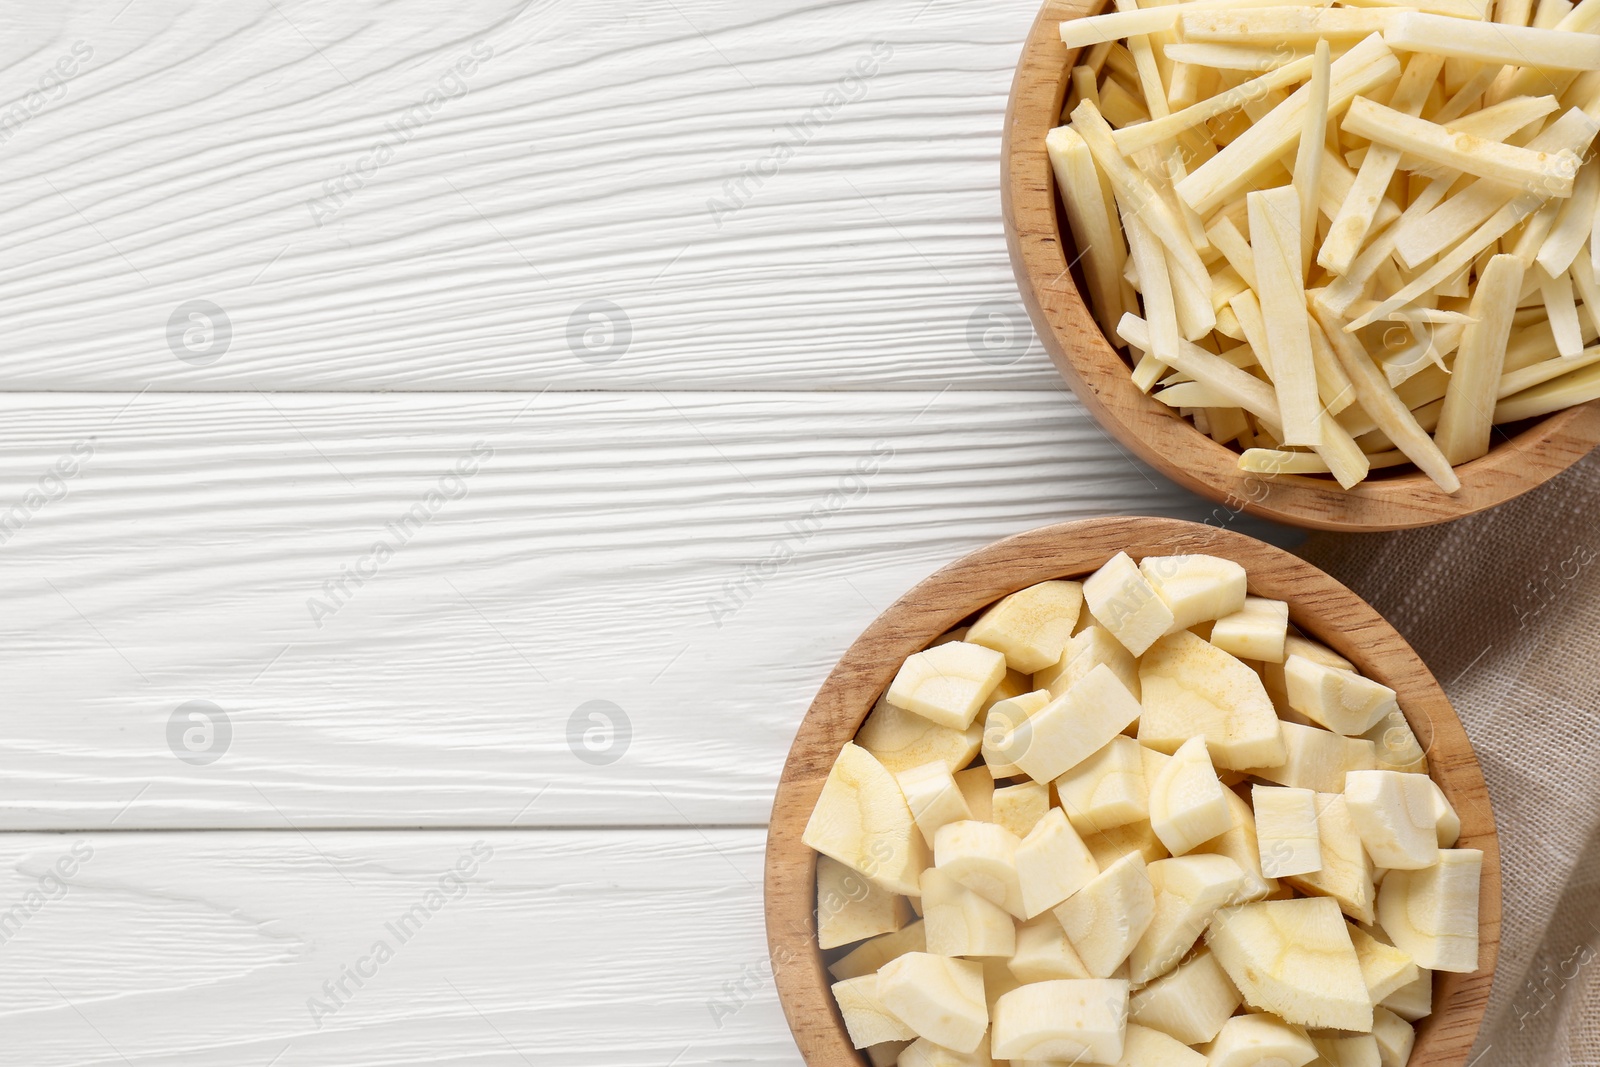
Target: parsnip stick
1549 174
1087 196
1193 395
1159 131
1235 57
1076 33
1155 285
1309 154
1277 461
1488 42
1464 421
1226 238
1578 387
1272 26
1573 224
1275 243
1563 311
1515 381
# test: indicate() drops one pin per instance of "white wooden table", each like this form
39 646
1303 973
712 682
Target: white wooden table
445 447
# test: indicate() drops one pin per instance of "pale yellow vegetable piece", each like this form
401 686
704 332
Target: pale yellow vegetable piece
1283 25
1395 816
1240 844
937 997
867 957
1317 759
1295 959
1415 1000
1031 626
1108 846
1190 1004
1187 803
1126 604
958 922
1044 952
977 788
866 1019
1256 1040
1341 700
851 908
1080 1021
1108 916
1286 829
1309 155
934 798
1275 244
1578 387
924 1053
1346 871
947 684
888 1053
1256 631
1384 968
1088 649
1394 1037
1192 687
1484 42
862 820
1562 309
1464 422
1160 306
1189 890
1432 913
1097 29
999 721
1574 223
1447 822
901 740
1347 1050
1162 131
1052 864
982 857
1251 58
1195 587
1072 727
1396 745
1107 789
1144 1047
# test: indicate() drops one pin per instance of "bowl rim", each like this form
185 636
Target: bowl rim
1319 605
1103 383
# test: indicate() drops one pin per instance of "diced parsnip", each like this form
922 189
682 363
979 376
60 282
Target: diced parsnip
1052 862
1486 42
867 1020
934 799
1124 602
1091 213
1074 726
937 997
871 955
1286 830
948 683
1256 631
1318 759
1432 913
1464 422
1107 789
1578 387
1275 242
1189 1004
1365 67
1020 807
982 857
1031 626
1393 813
850 908
1309 154
958 922
1378 399
1346 871
1548 174
1235 57
1079 1021
1282 25
1163 130
1349 228
1574 223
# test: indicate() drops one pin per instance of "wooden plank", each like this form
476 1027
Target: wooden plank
180 949
408 195
697 560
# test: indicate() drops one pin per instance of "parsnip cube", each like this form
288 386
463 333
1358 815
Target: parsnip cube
1108 846
1257 1040
867 957
1072 727
1413 1000
937 997
1384 968
958 922
901 740
924 1053
1144 1047
1000 721
1187 805
1395 745
1346 871
1125 603
862 820
1052 863
1030 627
1020 807
1432 913
1192 687
1189 890
931 793
1394 1036
1343 701
1239 843
1286 829
947 683
1190 1003
1447 822
1195 588
1090 647
866 1019
1044 952
1293 958
1347 1050
1394 814
1256 631
1317 759
1074 1020
851 908
1107 917
982 857
977 789
1107 789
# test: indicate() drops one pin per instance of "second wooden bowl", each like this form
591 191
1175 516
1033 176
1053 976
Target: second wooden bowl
1322 609
1041 249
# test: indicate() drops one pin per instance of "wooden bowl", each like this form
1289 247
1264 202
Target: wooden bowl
1318 605
1041 249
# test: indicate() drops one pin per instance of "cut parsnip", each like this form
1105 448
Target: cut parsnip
1000 720
901 740
1072 727
1547 174
1078 1021
1045 953
1293 958
866 1019
1126 604
1187 804
924 1053
1108 846
1414 1000
1447 822
1144 1047
1346 871
1240 844
1275 241
1091 213
947 683
1030 627
977 789
1394 1037
1190 686
1347 1050
851 908
1286 828
1396 747
1384 968
1343 701
1318 759
937 997
862 820
958 922
1108 916
1432 913
1052 863
1256 631
1394 814
1189 1004
1485 42
871 955
1195 588
1107 789
934 799
1090 647
1465 421
1259 1039
982 857
1189 890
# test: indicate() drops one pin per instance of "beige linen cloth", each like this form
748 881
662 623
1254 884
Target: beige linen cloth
1505 609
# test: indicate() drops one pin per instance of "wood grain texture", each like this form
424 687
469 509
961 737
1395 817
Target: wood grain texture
629 948
788 196
1041 248
1318 605
697 560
